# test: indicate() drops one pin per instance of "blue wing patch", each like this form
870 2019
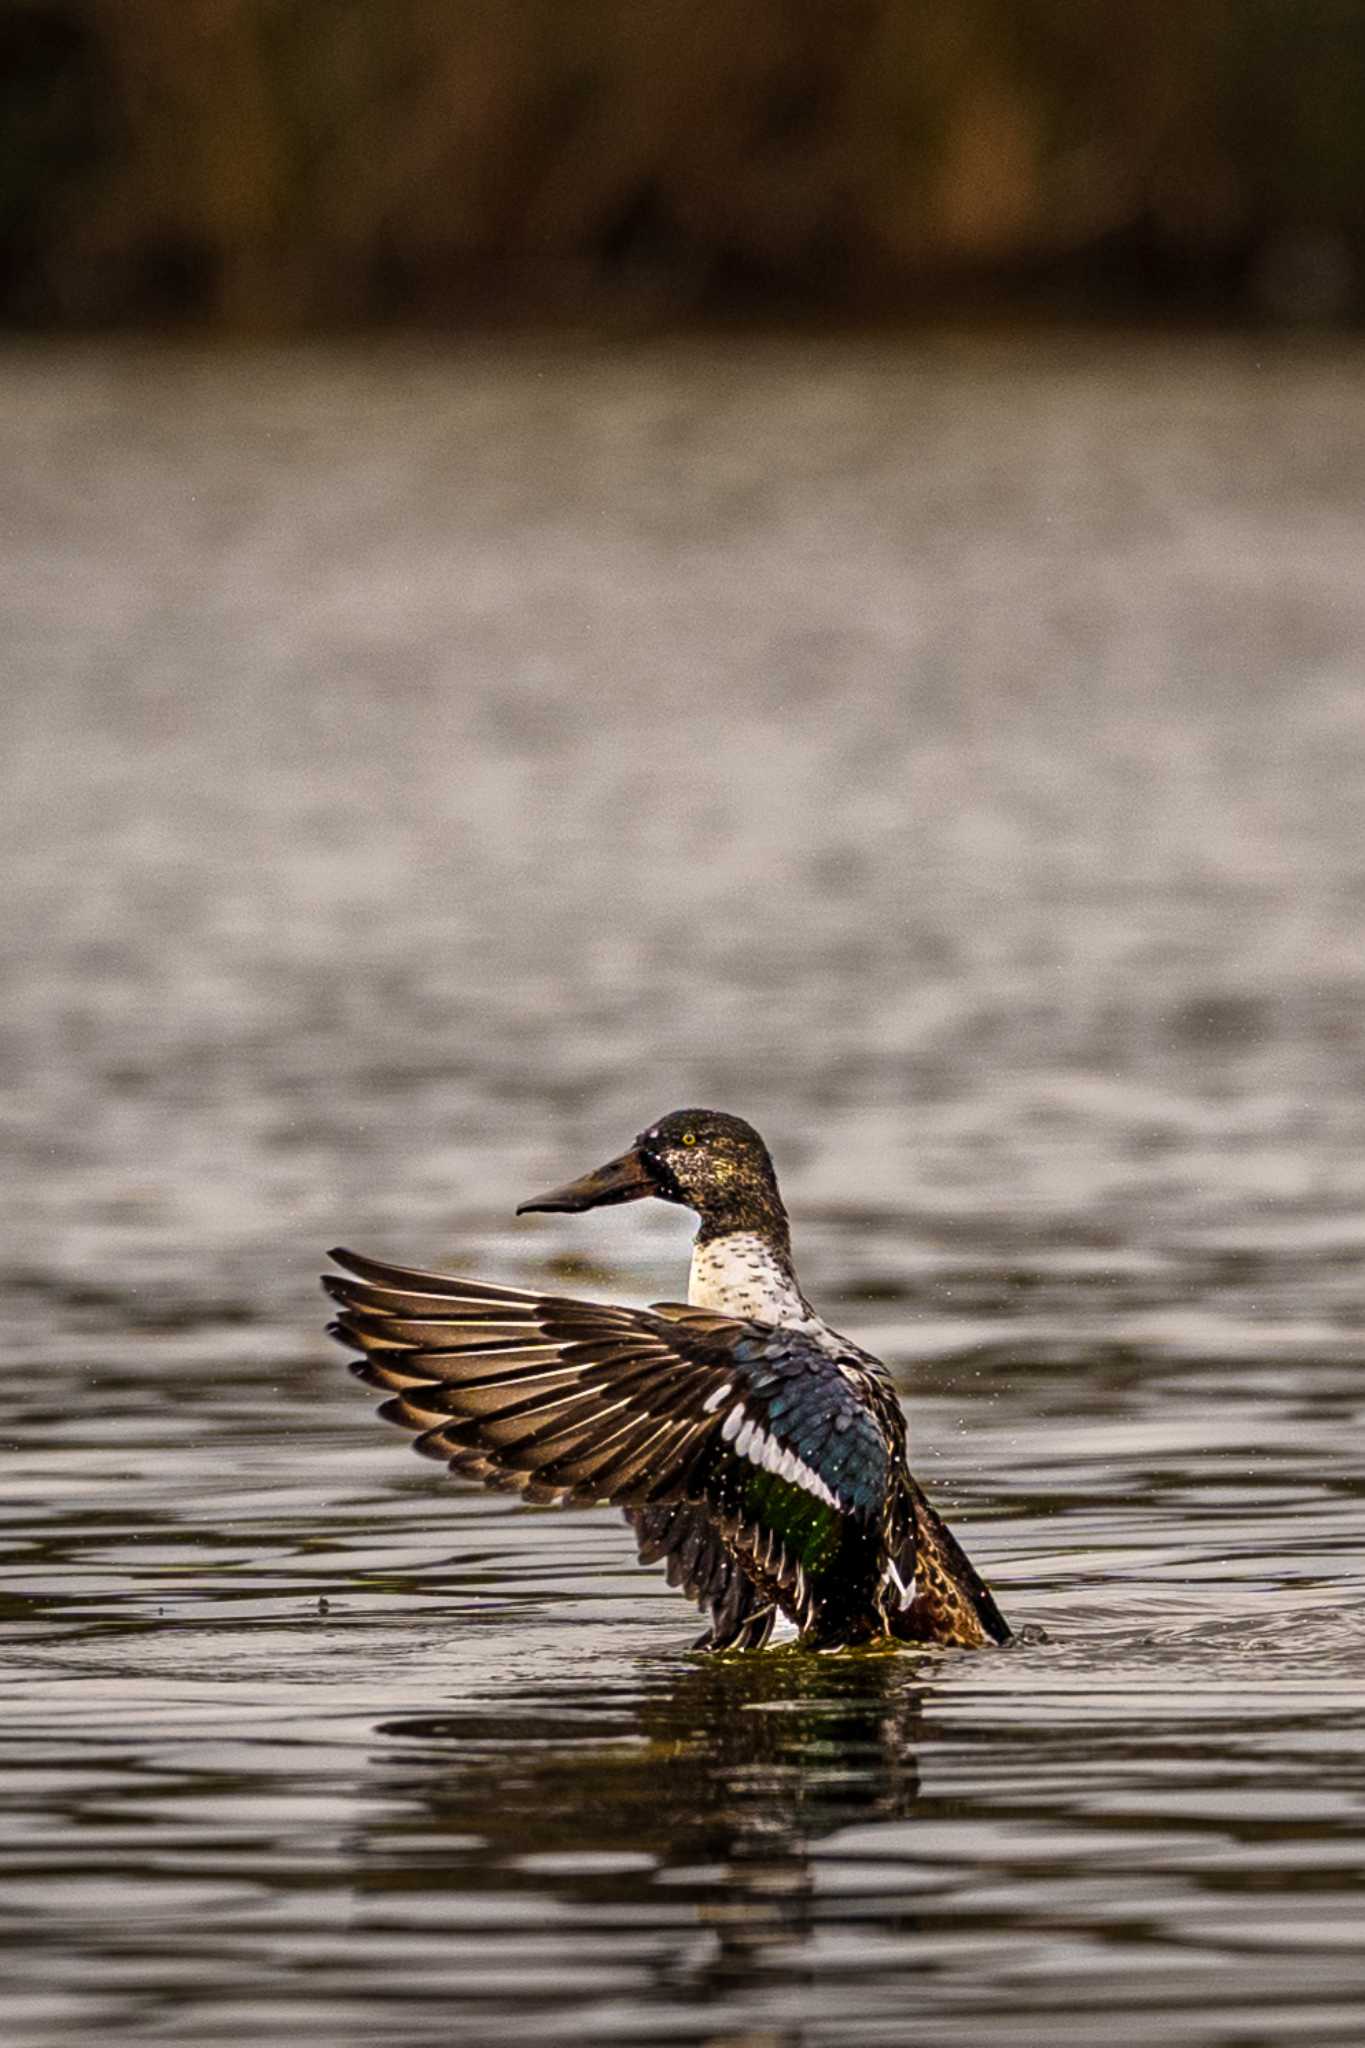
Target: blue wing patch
791 1410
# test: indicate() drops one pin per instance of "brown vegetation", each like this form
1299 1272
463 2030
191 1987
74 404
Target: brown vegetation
280 163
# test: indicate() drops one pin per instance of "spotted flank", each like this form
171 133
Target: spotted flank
759 1457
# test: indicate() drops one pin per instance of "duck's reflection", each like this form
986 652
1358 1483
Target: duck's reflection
701 1800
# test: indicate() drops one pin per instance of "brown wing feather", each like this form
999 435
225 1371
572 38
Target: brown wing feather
558 1398
697 1560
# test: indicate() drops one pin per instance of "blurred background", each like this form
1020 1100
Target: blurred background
257 165
560 560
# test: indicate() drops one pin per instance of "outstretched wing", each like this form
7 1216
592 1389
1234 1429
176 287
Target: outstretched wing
558 1399
566 1400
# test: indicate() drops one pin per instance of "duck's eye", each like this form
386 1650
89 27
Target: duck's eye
689 1137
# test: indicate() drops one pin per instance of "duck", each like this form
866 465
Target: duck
756 1452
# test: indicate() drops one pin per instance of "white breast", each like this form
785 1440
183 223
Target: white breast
740 1276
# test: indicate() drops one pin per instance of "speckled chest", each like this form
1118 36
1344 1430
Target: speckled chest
741 1275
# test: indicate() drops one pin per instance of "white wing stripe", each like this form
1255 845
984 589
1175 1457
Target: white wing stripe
907 1593
753 1442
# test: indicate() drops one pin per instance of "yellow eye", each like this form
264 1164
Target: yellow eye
689 1137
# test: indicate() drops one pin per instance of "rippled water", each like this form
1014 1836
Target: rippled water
419 773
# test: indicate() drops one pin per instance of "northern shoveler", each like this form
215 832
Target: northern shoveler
756 1451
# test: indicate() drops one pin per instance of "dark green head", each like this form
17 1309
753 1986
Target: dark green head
699 1158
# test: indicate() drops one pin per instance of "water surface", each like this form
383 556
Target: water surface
420 772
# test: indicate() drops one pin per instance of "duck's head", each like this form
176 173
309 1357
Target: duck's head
699 1158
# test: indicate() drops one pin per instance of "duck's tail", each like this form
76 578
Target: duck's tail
952 1603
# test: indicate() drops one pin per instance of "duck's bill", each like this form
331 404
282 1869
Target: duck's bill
627 1179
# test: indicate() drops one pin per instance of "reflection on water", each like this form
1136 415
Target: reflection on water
418 774
723 1781
741 1754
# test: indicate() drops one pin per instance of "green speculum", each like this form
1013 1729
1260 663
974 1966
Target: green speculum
808 1528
